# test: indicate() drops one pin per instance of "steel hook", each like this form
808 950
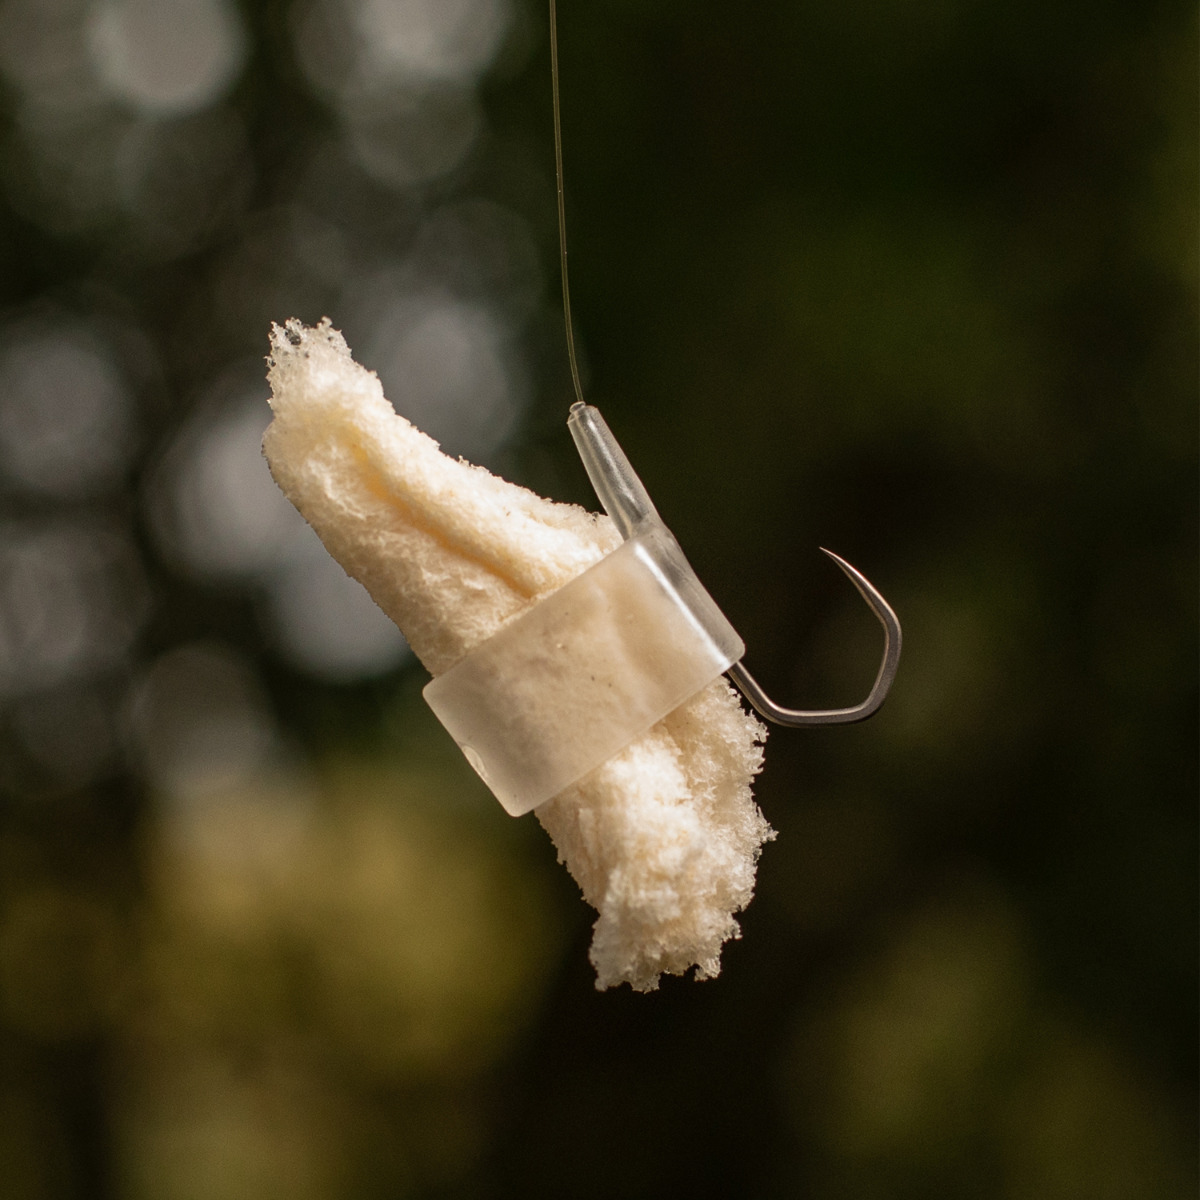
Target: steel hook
892 635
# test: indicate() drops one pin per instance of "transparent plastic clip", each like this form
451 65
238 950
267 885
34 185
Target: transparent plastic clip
595 664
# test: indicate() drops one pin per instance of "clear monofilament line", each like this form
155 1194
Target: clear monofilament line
562 211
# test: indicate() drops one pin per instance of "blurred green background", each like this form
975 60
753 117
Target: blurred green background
916 282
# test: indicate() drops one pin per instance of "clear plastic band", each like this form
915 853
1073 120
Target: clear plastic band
591 667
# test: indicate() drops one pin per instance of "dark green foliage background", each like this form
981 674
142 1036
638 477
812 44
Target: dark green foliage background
914 282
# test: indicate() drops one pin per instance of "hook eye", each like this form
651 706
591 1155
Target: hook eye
767 707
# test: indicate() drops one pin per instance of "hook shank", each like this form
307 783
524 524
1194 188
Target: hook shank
767 707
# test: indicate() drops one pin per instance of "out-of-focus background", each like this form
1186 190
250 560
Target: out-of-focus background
913 281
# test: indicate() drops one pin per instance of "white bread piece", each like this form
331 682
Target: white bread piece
663 839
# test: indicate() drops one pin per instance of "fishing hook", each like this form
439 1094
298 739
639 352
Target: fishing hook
766 707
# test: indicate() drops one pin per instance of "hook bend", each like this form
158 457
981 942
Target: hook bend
767 707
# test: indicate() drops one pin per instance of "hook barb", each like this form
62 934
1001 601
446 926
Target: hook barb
767 707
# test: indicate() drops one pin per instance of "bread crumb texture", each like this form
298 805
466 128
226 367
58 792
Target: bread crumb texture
664 838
